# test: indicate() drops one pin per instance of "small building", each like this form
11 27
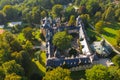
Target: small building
101 48
2 26
12 24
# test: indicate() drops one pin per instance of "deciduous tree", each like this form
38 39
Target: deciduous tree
58 74
57 10
72 21
62 40
116 60
12 67
98 72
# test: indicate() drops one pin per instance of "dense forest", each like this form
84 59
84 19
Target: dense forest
16 54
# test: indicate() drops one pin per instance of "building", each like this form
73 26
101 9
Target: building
101 48
12 24
74 63
2 26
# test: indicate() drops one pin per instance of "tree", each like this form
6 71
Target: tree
72 21
58 74
108 15
73 52
82 9
98 15
116 60
13 76
2 73
77 2
36 15
69 11
92 7
43 14
118 38
12 67
117 14
85 18
2 18
11 12
98 72
28 33
9 37
114 72
15 46
17 57
28 47
25 60
62 40
99 26
57 10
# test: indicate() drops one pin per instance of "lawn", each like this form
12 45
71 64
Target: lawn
110 32
77 75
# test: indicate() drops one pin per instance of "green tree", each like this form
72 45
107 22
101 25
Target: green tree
72 21
9 37
12 67
28 47
15 46
36 15
77 2
99 26
58 74
116 60
11 12
62 40
108 15
98 15
43 14
13 76
118 38
2 73
69 11
98 72
114 72
28 33
57 10
82 9
25 60
73 52
92 6
117 14
2 18
85 18
17 57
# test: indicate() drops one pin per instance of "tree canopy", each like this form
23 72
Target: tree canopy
62 40
98 72
58 74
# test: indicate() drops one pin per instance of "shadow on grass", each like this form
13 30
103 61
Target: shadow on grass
113 25
108 34
32 69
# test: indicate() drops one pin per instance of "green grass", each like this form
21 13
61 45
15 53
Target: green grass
77 75
110 32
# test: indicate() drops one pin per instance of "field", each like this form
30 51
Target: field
110 32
